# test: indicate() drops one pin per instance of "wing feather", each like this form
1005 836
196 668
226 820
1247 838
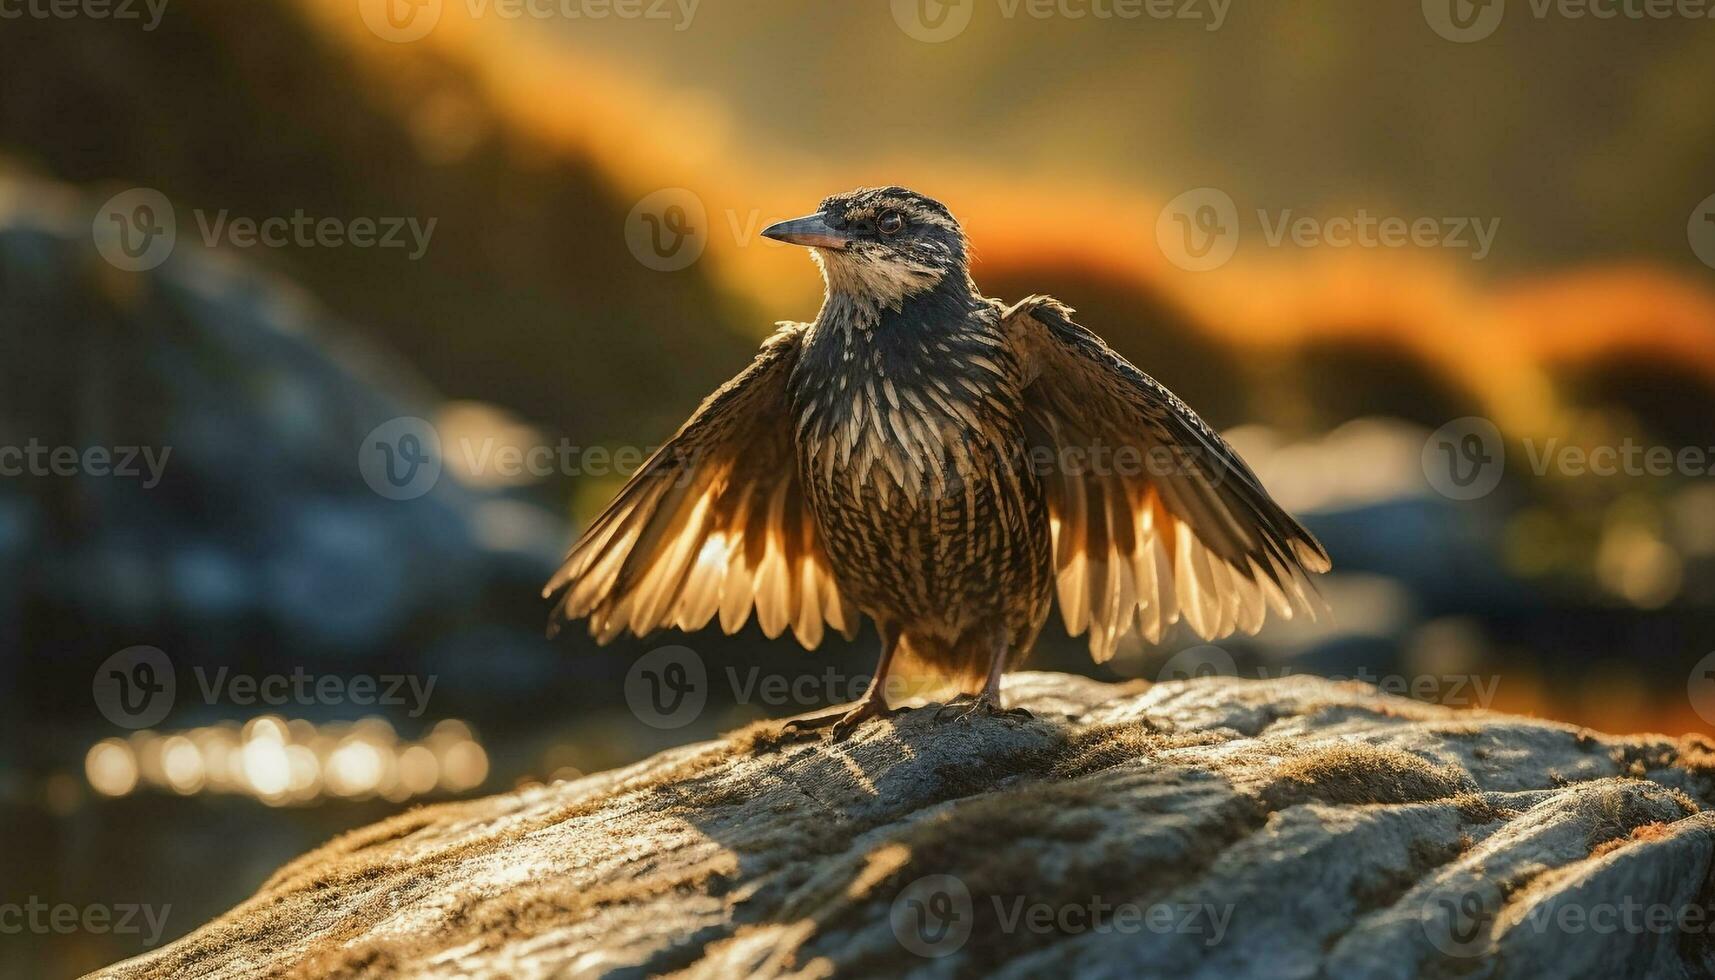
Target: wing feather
1188 533
714 524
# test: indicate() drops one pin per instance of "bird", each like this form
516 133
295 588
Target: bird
946 464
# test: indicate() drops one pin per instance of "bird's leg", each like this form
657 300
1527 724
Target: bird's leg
988 700
872 705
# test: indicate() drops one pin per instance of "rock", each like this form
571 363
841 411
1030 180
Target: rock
243 506
1212 827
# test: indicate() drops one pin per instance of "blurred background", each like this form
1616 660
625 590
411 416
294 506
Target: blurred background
233 626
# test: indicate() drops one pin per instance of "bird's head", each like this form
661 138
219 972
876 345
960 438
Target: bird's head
880 245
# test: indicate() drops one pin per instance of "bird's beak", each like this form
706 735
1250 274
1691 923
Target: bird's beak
811 231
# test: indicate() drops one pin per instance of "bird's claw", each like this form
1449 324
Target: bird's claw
840 725
966 706
954 702
845 726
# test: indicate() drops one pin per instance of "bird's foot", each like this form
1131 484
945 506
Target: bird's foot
841 723
962 707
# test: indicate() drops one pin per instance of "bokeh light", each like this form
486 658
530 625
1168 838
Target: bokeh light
291 762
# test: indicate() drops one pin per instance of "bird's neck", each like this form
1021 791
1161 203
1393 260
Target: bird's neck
855 308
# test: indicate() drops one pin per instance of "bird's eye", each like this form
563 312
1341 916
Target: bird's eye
891 223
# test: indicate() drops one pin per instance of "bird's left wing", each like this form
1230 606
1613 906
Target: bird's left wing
715 521
1155 518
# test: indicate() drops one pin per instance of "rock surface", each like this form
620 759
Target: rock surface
1211 827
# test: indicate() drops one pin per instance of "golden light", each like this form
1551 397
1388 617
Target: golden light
451 729
304 771
464 766
266 727
146 749
266 767
419 770
111 768
354 769
182 765
484 445
291 762
221 763
1633 563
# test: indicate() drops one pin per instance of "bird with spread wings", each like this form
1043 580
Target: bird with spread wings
946 465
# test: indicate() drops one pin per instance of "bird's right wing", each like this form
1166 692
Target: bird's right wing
1155 518
715 521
